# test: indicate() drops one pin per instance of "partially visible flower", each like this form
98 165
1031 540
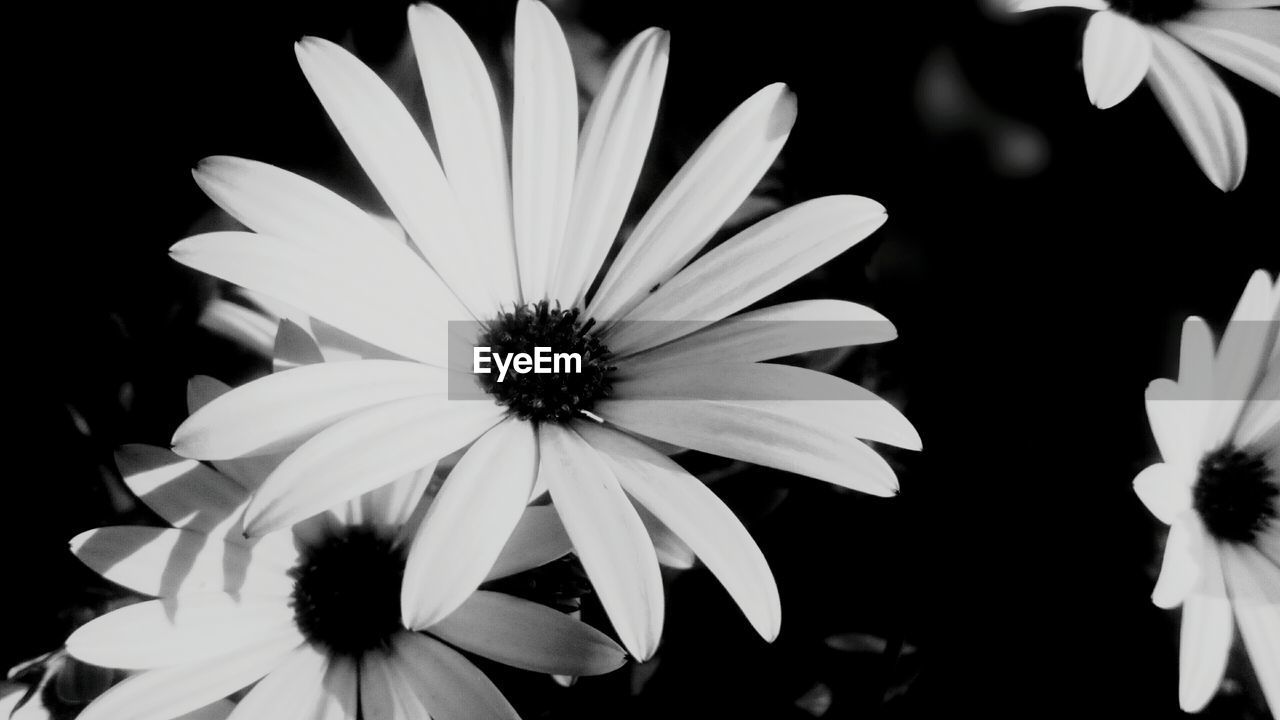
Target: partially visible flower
1128 40
517 246
311 613
1218 430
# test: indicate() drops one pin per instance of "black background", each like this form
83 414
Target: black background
1039 258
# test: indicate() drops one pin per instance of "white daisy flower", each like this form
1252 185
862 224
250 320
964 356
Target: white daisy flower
1128 40
516 248
312 614
1218 430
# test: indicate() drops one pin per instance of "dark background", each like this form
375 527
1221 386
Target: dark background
1038 261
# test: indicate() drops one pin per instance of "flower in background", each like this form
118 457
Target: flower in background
311 613
516 249
1128 40
1218 430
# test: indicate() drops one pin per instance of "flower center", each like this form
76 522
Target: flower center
1153 11
1234 494
346 592
556 369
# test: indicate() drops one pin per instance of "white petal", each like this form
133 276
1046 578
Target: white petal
284 408
768 333
795 439
391 149
1201 108
468 130
217 710
816 396
544 144
1195 363
294 346
1255 597
615 139
446 682
186 493
1165 489
304 687
1177 421
749 266
701 519
1242 356
160 561
276 202
671 550
391 505
363 452
469 522
1180 568
169 692
243 326
1025 5
697 201
609 537
385 692
1206 635
1117 54
1245 42
178 631
1236 4
529 636
383 295
538 539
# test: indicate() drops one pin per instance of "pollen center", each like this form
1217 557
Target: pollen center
1153 11
545 363
1235 494
346 592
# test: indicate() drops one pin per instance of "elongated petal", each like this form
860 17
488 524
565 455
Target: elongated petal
844 406
1201 108
671 550
365 451
446 682
608 536
1255 596
468 129
544 144
1117 54
391 505
768 333
1245 42
1183 557
385 692
795 439
1177 421
697 201
1206 635
615 139
530 636
538 539
1165 489
244 326
1025 5
308 685
186 493
701 519
159 561
391 149
754 263
1242 358
274 411
158 633
294 346
469 522
168 692
1195 360
384 295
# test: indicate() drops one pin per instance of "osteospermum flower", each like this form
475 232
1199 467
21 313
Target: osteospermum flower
1128 40
311 613
1218 430
515 249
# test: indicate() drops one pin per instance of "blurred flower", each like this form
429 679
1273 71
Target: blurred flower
1218 430
515 248
315 609
1127 40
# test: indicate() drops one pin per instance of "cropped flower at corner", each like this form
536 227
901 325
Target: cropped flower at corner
1218 430
516 248
1127 40
311 614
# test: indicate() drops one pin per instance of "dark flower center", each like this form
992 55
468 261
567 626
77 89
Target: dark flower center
556 367
346 592
1234 494
1153 11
